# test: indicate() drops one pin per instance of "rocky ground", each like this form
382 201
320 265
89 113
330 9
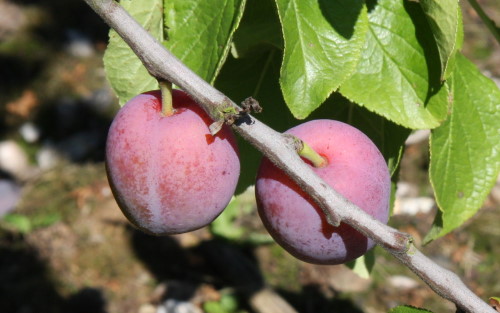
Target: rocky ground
66 247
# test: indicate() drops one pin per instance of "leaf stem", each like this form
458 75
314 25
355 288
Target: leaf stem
167 108
490 24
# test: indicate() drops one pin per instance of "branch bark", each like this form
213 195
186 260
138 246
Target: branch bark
280 150
490 24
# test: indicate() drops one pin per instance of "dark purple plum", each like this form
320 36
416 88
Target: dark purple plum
355 168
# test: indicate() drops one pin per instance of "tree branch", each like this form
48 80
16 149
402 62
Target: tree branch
279 149
490 24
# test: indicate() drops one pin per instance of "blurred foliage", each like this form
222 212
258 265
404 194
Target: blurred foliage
227 304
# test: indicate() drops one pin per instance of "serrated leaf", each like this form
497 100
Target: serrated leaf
465 150
200 32
398 75
459 44
323 41
259 27
124 70
408 309
445 20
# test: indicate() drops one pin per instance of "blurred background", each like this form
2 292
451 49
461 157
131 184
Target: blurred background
66 247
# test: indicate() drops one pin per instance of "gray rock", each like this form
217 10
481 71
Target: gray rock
14 160
418 136
406 190
401 282
177 306
79 45
30 132
413 206
48 157
12 19
10 193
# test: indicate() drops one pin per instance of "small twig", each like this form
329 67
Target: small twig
490 24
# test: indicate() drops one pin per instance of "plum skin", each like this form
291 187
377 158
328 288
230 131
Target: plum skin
356 169
168 174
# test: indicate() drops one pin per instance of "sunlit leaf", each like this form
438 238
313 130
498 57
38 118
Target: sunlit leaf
445 20
124 70
465 150
323 42
199 33
398 75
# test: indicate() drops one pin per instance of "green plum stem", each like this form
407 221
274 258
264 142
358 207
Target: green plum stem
167 108
311 155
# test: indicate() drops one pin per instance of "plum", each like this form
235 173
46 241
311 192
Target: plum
355 168
168 174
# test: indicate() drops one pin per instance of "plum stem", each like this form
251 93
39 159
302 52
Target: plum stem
311 155
167 108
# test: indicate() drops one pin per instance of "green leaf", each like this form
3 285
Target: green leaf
20 222
363 265
230 224
223 225
445 20
323 42
459 43
407 309
200 32
228 303
398 75
124 70
46 220
465 150
259 28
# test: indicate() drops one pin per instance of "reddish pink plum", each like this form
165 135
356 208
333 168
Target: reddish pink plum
169 175
355 168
